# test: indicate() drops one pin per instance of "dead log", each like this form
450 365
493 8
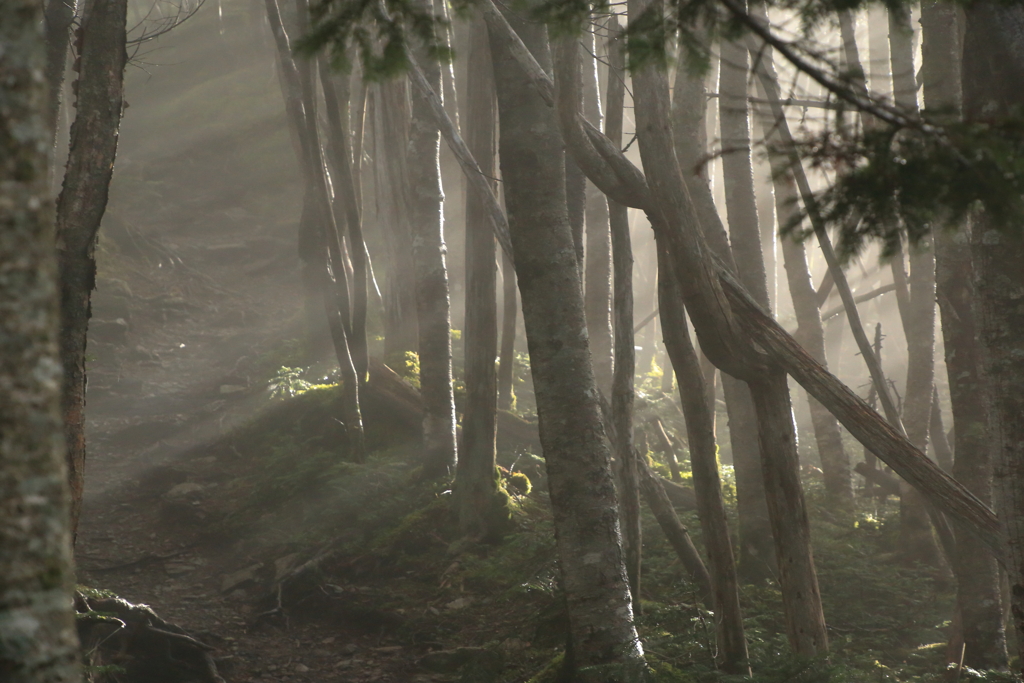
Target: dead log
888 484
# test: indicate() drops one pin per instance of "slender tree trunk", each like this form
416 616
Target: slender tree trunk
598 281
391 134
482 512
347 203
625 361
835 462
604 639
59 16
993 69
916 539
707 485
756 549
509 319
80 208
37 627
426 200
336 293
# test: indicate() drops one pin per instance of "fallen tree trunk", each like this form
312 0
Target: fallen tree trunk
888 484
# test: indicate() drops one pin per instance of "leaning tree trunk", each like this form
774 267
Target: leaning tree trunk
37 629
604 639
835 461
482 513
707 485
597 282
431 281
80 208
756 550
979 597
993 69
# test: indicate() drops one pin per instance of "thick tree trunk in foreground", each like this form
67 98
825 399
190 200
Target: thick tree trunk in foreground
431 281
979 597
993 69
756 550
481 512
604 640
625 353
80 208
707 485
37 629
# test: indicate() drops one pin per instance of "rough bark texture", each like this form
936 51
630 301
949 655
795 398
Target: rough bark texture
756 550
979 598
431 280
80 208
509 320
993 69
604 639
598 280
625 358
476 481
707 485
37 629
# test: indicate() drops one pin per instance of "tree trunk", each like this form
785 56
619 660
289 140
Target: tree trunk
59 16
916 539
482 512
993 69
391 134
979 594
729 307
756 550
835 461
604 639
598 280
347 203
625 360
509 321
707 485
80 208
37 629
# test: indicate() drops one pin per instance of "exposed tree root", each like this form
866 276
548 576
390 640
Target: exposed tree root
128 643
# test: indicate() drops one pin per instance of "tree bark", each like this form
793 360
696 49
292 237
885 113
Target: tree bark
604 639
707 485
917 542
59 16
37 627
993 69
835 461
509 321
598 279
979 594
431 280
391 133
481 513
624 363
756 550
80 208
